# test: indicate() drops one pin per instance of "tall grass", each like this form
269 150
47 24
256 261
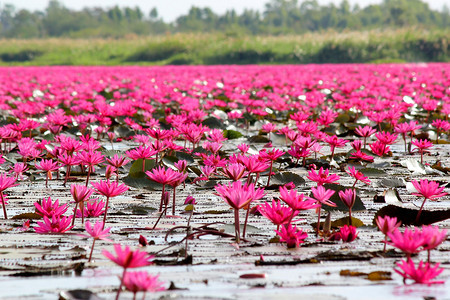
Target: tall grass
408 45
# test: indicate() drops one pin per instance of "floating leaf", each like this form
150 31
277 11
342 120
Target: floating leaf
408 216
232 134
393 182
142 183
258 139
136 168
229 228
78 295
213 123
345 221
283 178
379 276
372 172
359 206
253 276
27 216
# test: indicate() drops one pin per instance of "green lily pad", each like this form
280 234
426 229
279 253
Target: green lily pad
232 134
283 178
372 172
358 206
136 168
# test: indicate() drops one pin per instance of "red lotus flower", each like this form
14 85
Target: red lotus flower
49 209
422 146
296 201
141 281
348 197
109 189
428 190
57 224
128 259
410 241
292 236
5 183
97 232
357 175
48 166
387 225
278 214
423 273
238 196
94 208
346 234
80 193
322 176
234 171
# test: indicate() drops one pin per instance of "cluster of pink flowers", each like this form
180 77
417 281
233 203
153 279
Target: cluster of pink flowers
172 110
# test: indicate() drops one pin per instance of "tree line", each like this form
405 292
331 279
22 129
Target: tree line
279 17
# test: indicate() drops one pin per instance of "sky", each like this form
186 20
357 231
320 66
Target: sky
169 10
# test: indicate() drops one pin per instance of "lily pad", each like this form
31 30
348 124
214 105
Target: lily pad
136 168
283 178
358 206
213 123
372 172
258 139
232 134
408 216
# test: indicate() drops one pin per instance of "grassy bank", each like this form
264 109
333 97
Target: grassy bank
405 45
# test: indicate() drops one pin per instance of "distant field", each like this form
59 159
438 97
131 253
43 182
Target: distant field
405 45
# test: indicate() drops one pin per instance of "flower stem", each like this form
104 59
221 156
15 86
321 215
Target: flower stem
74 213
106 211
270 173
318 222
121 283
420 211
246 219
162 198
92 250
4 206
237 228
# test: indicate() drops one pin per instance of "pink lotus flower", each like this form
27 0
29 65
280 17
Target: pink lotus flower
334 143
292 235
48 166
164 177
296 201
346 234
348 197
97 232
322 176
5 183
128 259
387 225
423 274
68 161
49 209
359 155
278 214
94 208
358 176
57 224
141 281
80 193
238 196
234 171
272 156
90 158
365 132
109 190
422 146
379 148
432 237
117 162
428 190
410 241
322 195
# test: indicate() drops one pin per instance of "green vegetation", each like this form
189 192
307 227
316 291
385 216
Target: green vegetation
280 17
400 45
